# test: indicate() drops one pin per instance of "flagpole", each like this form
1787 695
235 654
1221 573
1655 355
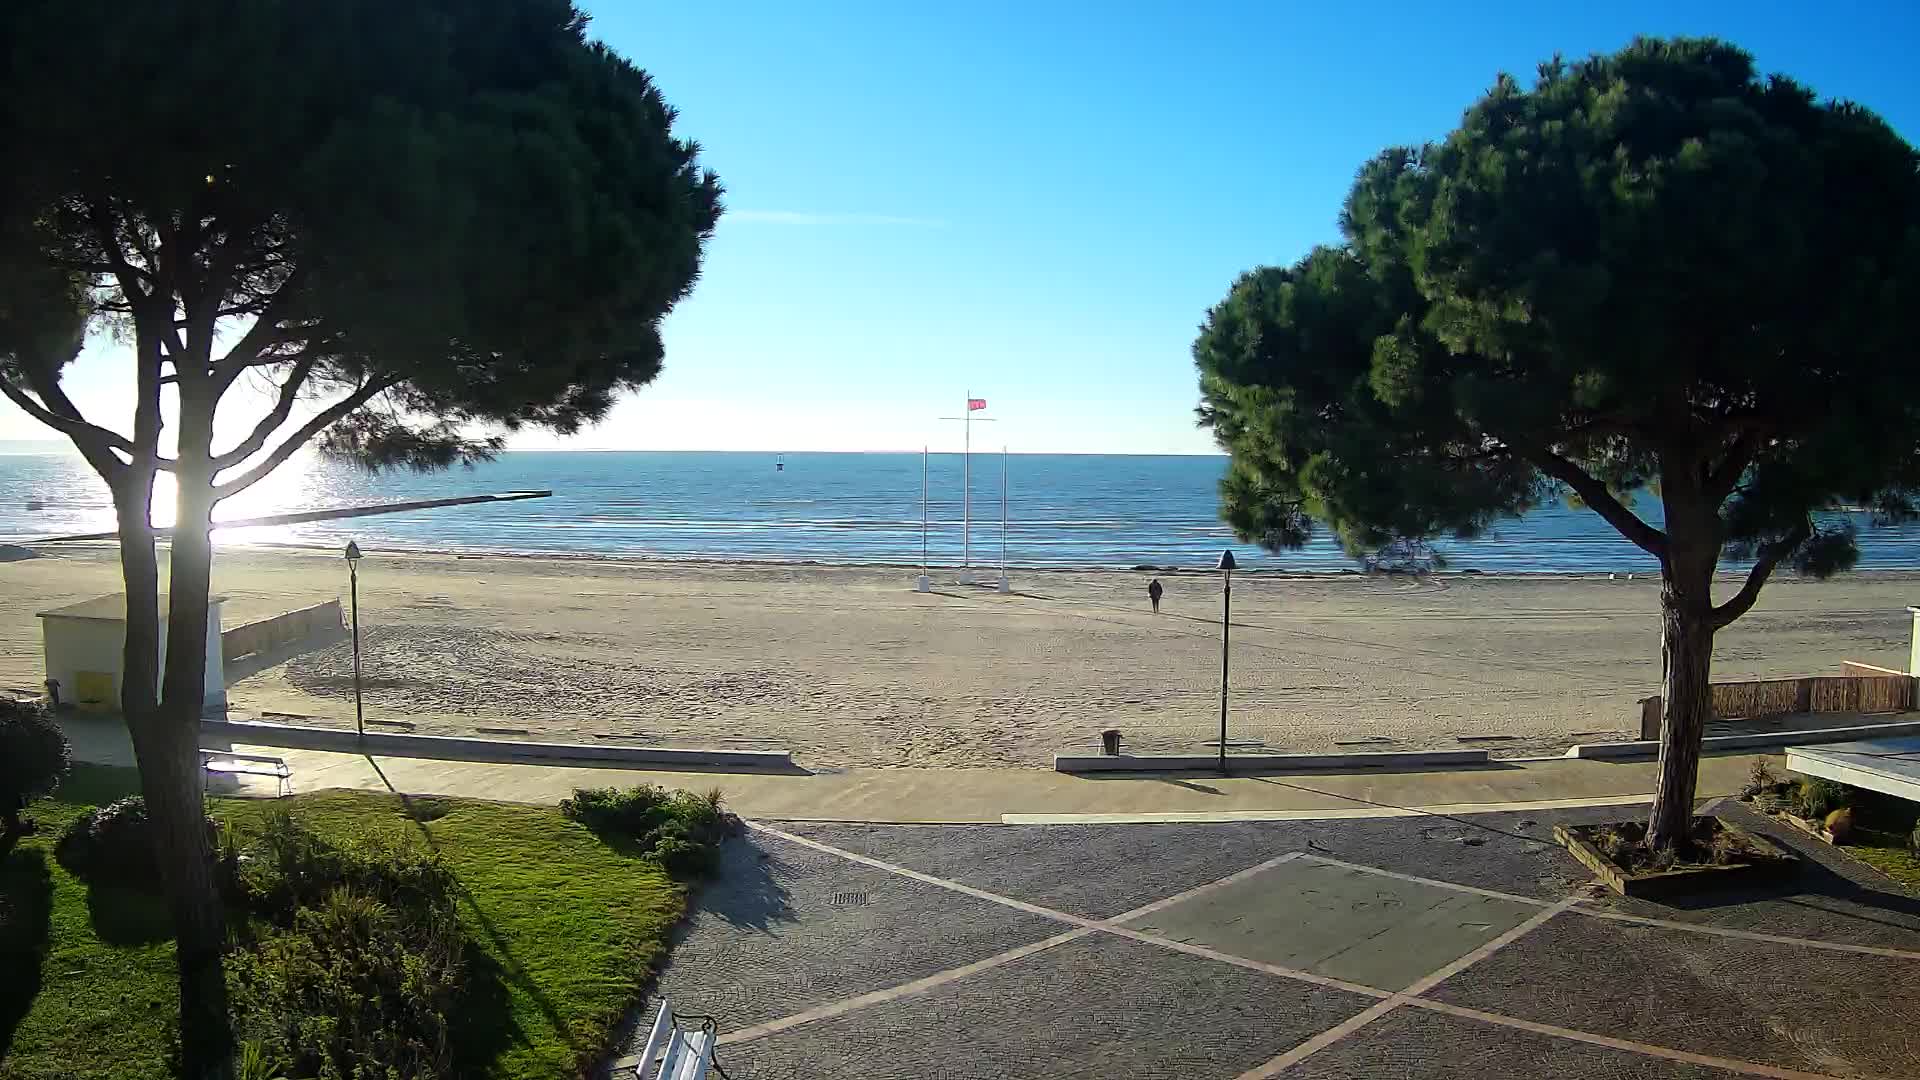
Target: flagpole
1004 586
925 584
966 488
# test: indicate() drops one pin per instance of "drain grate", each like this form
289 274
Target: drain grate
847 899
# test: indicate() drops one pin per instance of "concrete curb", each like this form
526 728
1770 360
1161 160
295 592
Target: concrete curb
1097 763
1646 748
467 749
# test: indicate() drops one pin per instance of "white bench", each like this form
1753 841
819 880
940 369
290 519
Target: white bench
683 1055
225 761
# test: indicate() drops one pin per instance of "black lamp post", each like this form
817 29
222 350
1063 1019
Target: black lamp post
353 576
1226 567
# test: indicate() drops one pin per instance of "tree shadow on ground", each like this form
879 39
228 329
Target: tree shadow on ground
482 1026
124 915
743 893
26 911
485 1026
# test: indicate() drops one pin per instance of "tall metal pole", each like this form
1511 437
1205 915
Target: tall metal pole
1226 628
359 714
1003 514
966 486
923 512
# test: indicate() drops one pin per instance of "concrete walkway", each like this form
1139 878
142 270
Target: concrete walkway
1022 796
1391 949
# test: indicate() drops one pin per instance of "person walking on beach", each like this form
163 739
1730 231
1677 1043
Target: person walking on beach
1154 589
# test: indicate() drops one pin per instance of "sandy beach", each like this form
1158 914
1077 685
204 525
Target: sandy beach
848 666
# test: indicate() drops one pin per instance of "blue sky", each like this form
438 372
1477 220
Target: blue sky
1037 202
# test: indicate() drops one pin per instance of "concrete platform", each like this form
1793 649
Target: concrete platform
1277 763
1890 766
1771 737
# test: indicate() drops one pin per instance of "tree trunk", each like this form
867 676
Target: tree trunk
1686 706
206 1037
1686 649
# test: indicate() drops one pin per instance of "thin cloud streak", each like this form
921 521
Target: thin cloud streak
795 217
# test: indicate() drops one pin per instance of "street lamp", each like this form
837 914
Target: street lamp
1225 566
353 576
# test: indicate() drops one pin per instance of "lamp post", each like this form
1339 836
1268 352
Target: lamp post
1226 567
353 577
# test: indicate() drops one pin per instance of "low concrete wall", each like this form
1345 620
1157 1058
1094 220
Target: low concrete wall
1647 748
284 630
464 749
1092 763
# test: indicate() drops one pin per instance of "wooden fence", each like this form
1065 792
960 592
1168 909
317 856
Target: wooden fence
1862 689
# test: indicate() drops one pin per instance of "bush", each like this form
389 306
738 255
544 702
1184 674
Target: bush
1913 839
1817 798
288 866
34 758
680 830
354 990
362 967
114 844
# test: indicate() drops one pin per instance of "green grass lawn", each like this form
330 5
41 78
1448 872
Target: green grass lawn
1888 853
570 926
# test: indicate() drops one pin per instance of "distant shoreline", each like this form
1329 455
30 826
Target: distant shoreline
986 572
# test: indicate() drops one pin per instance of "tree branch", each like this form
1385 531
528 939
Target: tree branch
262 431
1722 479
301 437
80 431
128 274
95 443
1595 495
1763 567
265 331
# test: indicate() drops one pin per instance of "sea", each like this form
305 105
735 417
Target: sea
1032 510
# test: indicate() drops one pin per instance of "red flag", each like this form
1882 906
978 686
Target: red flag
974 404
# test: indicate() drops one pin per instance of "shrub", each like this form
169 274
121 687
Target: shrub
1913 839
114 844
34 758
1760 779
361 969
1817 798
288 866
354 990
680 830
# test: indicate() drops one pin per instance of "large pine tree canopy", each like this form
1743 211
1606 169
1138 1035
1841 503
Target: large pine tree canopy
1654 268
433 218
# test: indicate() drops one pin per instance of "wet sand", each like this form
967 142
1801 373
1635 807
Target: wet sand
848 666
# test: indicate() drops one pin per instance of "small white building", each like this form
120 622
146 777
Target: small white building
86 642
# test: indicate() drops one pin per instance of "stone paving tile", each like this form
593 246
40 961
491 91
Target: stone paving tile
1098 1007
1330 920
1102 870
1096 871
784 928
1413 1044
1780 1005
1834 898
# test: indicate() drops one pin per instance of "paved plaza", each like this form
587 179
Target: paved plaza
1465 947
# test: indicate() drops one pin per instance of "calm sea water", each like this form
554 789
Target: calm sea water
1063 510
